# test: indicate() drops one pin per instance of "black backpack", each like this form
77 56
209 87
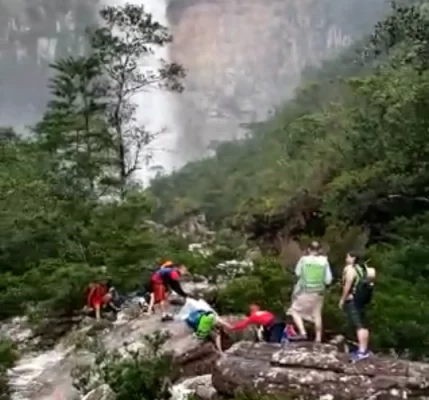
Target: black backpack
364 288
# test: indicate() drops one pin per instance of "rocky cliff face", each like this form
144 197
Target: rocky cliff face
244 57
32 35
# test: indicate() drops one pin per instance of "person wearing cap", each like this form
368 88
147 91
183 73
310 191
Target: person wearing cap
166 277
314 274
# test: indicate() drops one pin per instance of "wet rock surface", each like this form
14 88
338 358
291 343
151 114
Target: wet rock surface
42 376
309 371
46 374
199 386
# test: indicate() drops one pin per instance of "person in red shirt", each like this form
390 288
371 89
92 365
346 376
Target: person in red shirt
273 330
98 296
165 278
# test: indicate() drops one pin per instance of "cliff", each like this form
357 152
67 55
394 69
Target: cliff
245 57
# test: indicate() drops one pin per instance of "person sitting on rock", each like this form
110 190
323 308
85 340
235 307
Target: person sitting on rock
358 281
166 277
207 325
100 295
273 330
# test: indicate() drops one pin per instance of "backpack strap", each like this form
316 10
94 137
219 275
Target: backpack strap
361 275
361 271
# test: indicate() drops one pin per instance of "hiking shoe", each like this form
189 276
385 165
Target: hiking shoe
298 338
167 317
358 355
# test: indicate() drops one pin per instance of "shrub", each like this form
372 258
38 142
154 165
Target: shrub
137 375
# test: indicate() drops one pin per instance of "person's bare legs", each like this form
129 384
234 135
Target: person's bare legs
97 312
163 307
318 323
151 306
299 323
318 327
363 339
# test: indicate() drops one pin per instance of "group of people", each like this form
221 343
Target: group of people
313 274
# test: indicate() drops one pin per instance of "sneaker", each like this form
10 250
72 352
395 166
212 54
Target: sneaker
298 338
290 331
167 317
358 355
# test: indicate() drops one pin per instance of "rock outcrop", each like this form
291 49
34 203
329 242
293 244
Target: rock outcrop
46 374
41 376
311 371
199 386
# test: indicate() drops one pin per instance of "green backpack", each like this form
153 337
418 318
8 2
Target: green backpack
205 326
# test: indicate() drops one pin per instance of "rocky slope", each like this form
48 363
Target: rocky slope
297 370
41 376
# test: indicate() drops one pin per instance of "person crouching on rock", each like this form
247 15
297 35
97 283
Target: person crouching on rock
148 288
163 279
206 326
273 330
99 295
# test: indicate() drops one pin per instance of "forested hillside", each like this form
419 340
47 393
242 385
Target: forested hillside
347 161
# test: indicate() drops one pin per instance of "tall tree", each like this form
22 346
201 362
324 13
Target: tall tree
91 123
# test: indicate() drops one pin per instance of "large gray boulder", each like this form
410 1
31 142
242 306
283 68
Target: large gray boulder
316 371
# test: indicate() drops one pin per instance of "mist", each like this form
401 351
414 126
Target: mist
243 59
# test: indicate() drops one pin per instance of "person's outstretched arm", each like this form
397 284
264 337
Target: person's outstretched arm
243 324
223 323
175 285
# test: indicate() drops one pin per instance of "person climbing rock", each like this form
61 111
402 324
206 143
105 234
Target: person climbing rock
273 330
207 326
314 274
166 277
358 283
100 295
147 291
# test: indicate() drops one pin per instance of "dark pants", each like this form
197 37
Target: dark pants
355 314
274 332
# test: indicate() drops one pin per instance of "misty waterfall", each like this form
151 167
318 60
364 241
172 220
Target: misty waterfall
156 107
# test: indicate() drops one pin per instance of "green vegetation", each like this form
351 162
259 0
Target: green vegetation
56 233
345 161
140 375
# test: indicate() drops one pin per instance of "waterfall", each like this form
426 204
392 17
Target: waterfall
156 108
